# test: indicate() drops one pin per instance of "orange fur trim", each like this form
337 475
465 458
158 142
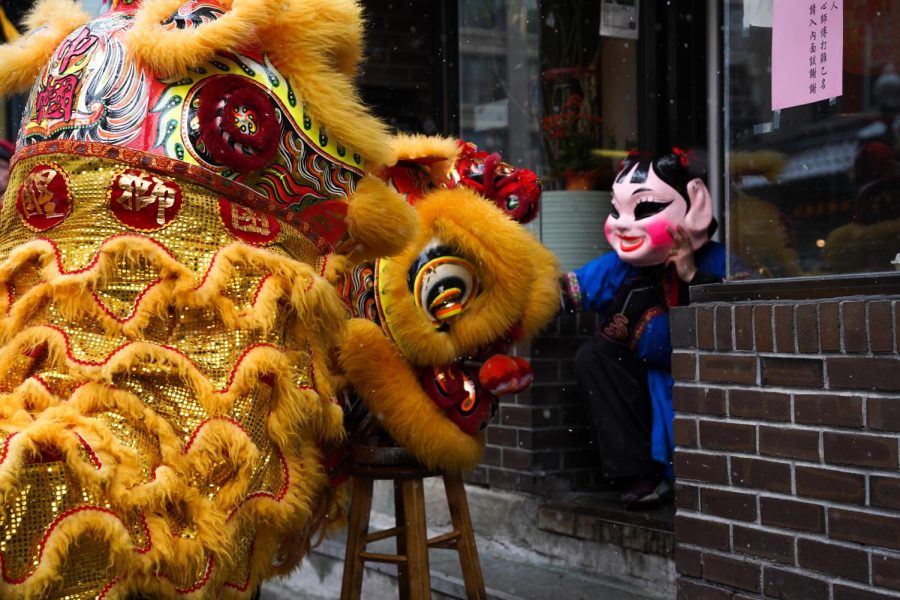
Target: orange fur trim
172 52
387 383
47 25
379 220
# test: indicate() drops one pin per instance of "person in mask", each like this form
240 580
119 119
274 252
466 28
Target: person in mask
659 227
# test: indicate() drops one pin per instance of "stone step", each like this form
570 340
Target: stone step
600 517
320 578
521 549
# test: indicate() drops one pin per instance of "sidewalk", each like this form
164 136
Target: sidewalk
528 550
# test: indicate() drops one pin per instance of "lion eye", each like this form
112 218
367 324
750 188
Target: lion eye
442 283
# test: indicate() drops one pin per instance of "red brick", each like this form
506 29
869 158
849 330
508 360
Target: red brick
883 414
516 416
863 373
736 573
884 492
784 328
762 327
493 456
728 505
511 480
832 559
724 341
685 432
880 330
788 585
762 474
829 484
790 514
792 372
764 544
897 325
864 528
853 318
683 325
501 436
759 405
718 435
802 444
743 327
844 592
860 450
824 409
886 571
689 589
521 460
728 368
687 496
684 366
706 339
708 468
829 327
702 532
688 561
702 400
807 328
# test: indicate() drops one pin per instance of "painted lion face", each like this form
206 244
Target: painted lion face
451 306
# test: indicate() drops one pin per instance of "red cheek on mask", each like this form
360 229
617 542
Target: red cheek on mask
659 234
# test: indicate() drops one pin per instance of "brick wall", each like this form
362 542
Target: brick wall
540 441
787 422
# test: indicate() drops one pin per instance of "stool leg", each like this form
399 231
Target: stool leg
400 523
357 530
413 498
462 522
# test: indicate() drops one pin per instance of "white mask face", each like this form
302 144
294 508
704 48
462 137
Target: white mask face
642 213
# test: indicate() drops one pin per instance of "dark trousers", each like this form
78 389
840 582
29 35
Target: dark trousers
612 384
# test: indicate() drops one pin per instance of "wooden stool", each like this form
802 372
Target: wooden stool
399 466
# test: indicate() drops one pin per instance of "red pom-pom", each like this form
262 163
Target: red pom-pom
503 374
526 373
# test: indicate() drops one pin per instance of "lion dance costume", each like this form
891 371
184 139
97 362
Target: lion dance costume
426 347
165 387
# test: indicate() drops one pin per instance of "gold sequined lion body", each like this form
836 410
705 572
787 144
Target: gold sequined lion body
165 391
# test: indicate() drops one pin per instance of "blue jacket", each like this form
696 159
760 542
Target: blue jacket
599 281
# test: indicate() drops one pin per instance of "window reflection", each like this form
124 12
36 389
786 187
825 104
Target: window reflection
814 189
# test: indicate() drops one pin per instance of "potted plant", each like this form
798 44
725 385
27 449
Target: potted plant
571 134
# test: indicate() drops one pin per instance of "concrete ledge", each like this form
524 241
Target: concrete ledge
519 560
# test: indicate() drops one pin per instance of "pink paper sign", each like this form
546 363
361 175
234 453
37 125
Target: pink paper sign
807 51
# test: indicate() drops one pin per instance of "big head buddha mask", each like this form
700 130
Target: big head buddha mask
652 197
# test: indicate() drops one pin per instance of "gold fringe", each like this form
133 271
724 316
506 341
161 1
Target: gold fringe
43 415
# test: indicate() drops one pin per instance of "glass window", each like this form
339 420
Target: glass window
498 65
813 187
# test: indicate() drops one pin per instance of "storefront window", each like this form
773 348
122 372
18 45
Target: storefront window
498 68
542 84
812 135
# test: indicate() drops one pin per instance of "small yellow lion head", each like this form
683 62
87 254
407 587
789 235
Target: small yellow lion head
447 310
